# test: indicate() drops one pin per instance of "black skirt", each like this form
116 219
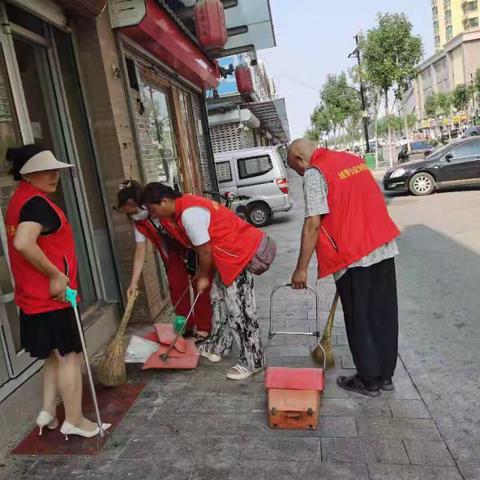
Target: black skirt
42 333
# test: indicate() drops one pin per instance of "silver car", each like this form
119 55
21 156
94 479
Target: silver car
260 174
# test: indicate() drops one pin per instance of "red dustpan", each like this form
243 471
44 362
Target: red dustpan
184 354
174 351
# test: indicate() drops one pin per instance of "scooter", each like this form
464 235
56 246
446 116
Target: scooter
229 198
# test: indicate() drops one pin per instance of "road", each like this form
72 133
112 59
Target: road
438 279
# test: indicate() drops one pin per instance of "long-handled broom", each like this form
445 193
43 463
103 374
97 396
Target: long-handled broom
111 371
325 354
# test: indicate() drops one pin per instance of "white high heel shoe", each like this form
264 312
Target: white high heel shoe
69 429
45 419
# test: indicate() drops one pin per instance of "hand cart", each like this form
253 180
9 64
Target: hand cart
293 393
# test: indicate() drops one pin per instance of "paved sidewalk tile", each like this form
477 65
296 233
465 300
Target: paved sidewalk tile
425 452
337 427
405 428
265 470
412 472
409 409
355 407
360 450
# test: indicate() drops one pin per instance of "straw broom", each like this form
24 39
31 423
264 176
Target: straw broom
326 342
111 371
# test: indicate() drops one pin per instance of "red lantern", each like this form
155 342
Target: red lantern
210 25
243 76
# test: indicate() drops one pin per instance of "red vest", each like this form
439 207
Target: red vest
148 230
233 241
32 288
358 222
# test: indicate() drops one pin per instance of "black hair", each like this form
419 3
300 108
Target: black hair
129 190
19 156
155 192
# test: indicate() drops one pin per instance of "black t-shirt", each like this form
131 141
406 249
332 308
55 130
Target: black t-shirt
38 210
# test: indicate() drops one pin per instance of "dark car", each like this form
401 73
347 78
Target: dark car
472 131
417 150
457 163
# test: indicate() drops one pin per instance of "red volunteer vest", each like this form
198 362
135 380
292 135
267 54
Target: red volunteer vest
148 230
358 222
32 288
233 241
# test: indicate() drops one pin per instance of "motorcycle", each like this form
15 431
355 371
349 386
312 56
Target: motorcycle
229 198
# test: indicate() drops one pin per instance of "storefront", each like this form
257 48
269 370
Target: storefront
41 102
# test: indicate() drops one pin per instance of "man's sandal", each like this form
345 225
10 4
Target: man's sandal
355 384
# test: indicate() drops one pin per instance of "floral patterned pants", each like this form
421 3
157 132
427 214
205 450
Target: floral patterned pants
235 318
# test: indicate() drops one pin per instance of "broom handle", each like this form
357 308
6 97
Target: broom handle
127 314
327 333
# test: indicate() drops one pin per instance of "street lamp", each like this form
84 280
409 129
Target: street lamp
356 53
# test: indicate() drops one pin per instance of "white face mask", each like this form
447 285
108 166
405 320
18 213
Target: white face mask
140 215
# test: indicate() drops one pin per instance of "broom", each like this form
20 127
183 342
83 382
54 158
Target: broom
326 355
111 371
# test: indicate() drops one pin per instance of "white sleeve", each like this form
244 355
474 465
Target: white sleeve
196 221
139 237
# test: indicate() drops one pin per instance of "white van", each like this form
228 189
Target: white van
260 174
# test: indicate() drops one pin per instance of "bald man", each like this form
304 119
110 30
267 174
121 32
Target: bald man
347 223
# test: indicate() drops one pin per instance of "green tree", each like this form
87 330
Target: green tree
390 52
412 120
461 97
444 103
431 105
340 100
476 81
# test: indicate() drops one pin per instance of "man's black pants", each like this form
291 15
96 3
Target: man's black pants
369 300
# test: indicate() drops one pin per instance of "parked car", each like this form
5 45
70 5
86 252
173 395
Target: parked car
260 174
418 150
457 163
471 131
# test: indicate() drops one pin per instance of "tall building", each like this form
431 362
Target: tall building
452 17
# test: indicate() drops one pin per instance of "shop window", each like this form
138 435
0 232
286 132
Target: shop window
224 172
254 166
157 139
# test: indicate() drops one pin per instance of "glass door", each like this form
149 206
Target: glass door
12 357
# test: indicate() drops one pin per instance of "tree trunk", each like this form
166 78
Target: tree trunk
389 129
376 140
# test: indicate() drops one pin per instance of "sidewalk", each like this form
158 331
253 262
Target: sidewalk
197 425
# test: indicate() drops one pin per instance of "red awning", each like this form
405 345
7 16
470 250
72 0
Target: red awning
83 7
162 37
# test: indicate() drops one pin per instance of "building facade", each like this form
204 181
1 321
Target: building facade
453 65
453 17
244 120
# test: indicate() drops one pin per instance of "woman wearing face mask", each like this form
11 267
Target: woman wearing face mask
42 257
173 255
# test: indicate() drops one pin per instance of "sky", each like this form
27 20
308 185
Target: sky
314 38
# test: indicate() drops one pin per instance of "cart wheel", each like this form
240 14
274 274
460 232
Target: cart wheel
274 411
310 411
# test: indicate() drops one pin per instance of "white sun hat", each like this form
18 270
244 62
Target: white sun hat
43 161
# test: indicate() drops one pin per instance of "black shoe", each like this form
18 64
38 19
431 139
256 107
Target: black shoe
386 385
355 384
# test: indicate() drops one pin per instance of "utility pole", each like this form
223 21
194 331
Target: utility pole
356 53
474 106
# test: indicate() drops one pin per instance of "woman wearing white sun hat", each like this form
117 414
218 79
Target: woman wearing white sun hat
43 262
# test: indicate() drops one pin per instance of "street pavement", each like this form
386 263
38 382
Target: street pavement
197 425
